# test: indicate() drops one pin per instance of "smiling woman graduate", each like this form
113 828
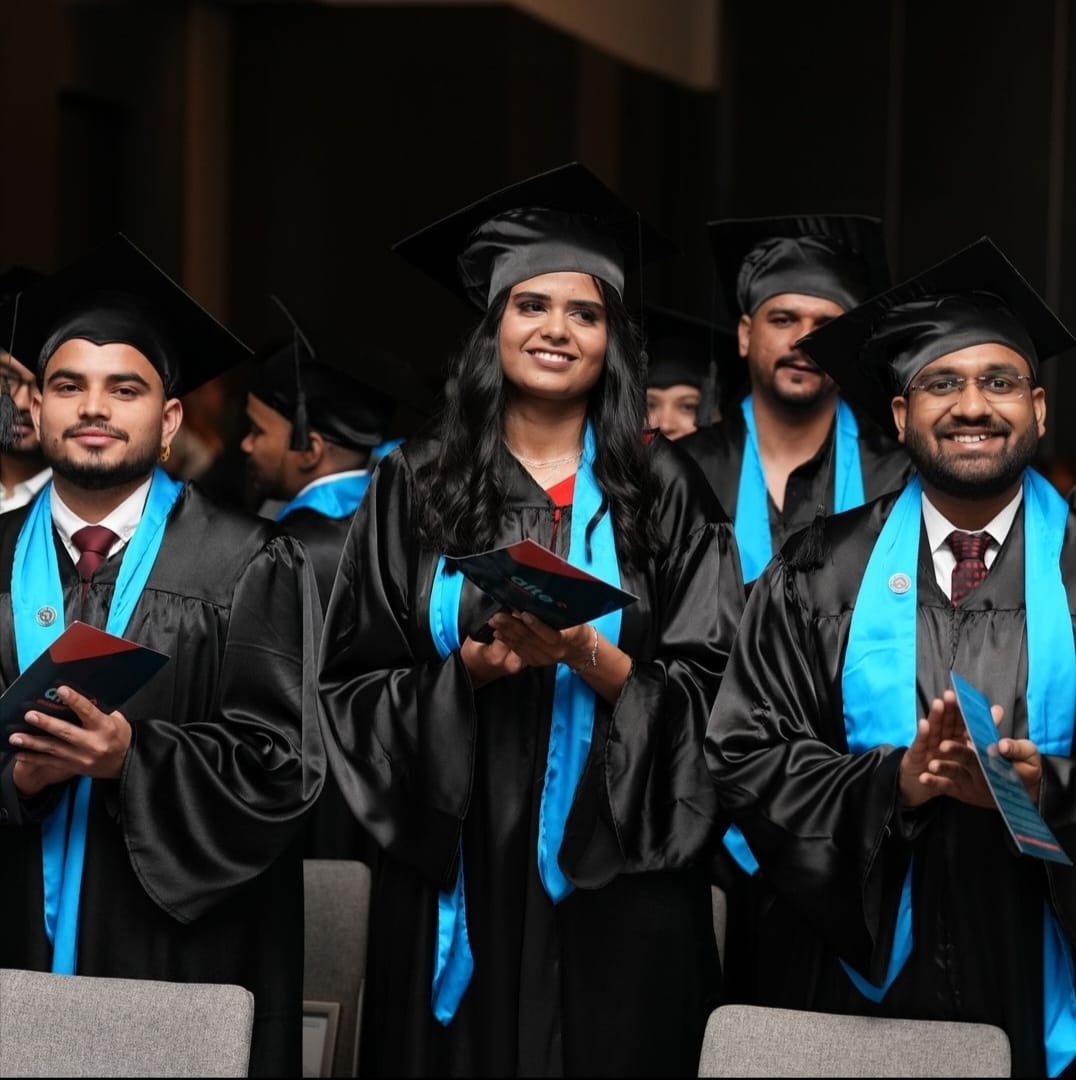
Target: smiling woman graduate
542 906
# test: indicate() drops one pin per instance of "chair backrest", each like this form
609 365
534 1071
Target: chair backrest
337 912
749 1040
80 1025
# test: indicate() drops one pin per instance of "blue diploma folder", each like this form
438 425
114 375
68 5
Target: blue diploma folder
1030 833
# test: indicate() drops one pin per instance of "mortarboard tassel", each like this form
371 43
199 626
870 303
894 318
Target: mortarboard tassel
9 418
300 423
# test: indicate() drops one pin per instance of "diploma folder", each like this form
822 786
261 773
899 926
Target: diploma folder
1030 833
105 668
528 577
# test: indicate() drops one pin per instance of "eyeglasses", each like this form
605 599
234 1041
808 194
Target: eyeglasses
996 386
11 383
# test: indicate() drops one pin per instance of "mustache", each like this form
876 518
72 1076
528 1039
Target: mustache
97 427
796 359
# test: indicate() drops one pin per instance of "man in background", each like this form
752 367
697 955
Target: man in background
23 471
313 431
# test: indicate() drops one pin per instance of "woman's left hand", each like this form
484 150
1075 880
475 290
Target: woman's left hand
539 645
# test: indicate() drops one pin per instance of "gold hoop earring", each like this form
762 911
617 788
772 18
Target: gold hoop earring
166 453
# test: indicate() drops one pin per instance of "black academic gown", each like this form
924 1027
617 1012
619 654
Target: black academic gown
719 451
619 978
825 826
193 868
332 831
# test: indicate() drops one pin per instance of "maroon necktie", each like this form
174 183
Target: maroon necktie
970 569
93 543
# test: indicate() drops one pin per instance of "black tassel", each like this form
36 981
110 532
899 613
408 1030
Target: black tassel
810 552
300 425
9 418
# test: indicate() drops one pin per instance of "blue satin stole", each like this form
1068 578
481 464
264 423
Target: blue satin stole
569 738
335 497
753 530
881 708
35 589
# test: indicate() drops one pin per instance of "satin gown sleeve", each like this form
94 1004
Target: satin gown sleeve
819 819
400 722
645 801
216 786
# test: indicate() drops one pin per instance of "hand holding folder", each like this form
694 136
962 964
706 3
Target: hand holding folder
104 668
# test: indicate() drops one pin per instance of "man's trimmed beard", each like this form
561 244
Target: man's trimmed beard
982 479
94 476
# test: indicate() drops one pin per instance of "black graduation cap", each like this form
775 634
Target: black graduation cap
838 256
563 219
118 290
341 385
973 297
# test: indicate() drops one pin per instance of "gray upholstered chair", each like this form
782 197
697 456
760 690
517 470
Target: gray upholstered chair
78 1025
337 912
749 1040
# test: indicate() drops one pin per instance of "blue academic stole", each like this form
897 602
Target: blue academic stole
752 529
337 497
37 604
569 737
881 707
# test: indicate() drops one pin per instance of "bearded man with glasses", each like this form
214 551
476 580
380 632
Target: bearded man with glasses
835 742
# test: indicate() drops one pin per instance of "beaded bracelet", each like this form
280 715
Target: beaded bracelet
592 660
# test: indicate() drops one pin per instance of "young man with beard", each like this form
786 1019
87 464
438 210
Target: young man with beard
159 841
23 471
792 447
835 741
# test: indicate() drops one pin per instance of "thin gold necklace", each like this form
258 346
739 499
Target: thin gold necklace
531 463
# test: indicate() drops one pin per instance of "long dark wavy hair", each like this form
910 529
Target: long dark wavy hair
461 494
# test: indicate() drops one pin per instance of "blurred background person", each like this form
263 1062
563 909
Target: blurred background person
691 365
314 428
22 468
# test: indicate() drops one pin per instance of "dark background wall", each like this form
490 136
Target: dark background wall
282 147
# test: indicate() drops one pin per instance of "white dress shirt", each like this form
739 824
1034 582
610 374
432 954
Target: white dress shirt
122 521
938 529
24 491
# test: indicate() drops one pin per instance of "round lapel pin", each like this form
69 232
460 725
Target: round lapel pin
46 615
900 584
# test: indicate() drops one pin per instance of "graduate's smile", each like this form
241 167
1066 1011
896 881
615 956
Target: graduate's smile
964 442
551 358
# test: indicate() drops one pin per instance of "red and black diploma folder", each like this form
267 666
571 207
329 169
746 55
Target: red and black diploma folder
528 577
105 668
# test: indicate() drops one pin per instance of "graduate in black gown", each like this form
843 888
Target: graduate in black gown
792 447
313 430
835 741
776 457
541 904
185 807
